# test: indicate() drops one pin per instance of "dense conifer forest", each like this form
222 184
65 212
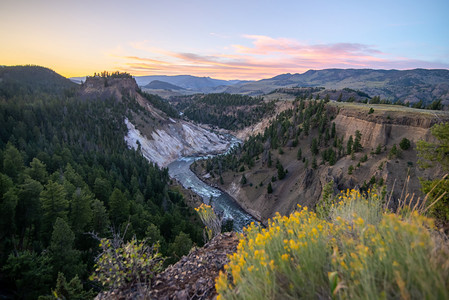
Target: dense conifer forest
66 171
228 111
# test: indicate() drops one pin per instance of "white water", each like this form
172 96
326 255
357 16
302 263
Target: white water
174 146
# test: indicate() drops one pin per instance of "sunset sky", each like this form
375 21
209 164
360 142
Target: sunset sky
223 39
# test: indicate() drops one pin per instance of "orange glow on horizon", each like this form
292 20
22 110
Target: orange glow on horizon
265 58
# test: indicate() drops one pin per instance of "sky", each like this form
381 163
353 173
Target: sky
223 39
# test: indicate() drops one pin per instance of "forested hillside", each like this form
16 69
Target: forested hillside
285 131
65 171
226 111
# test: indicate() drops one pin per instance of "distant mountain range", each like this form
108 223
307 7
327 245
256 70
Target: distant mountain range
188 82
408 85
162 85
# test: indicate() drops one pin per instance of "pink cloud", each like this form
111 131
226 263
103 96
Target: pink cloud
266 57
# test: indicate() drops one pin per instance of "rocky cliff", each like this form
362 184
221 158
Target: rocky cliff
385 126
174 140
162 139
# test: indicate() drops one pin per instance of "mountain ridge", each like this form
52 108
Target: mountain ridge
411 86
394 85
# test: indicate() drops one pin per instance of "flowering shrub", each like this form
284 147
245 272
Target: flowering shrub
359 252
210 220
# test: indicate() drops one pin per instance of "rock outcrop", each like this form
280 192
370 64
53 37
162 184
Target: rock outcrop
162 139
386 126
174 140
193 277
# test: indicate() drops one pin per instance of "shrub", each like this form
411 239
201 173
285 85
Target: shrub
350 169
122 265
394 152
360 252
212 222
404 144
243 181
364 158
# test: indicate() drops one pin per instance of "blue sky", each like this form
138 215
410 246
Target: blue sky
223 39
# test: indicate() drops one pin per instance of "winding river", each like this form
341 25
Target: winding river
221 201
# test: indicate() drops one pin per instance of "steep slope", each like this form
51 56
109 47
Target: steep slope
193 277
162 139
174 140
66 170
380 130
407 85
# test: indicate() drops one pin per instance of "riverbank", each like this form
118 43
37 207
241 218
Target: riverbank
222 201
214 185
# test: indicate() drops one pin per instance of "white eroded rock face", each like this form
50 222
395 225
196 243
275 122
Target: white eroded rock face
176 139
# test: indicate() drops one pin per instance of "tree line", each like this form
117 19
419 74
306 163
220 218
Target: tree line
65 171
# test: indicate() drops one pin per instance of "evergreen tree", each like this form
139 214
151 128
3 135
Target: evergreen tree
182 245
100 217
31 273
28 212
314 163
404 144
269 188
12 161
64 258
299 154
281 171
54 205
333 131
349 145
243 180
119 207
314 146
38 171
80 215
357 147
270 161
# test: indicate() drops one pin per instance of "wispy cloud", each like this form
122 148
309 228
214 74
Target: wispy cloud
265 57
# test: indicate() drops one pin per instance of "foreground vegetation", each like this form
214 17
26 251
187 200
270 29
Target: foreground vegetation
356 250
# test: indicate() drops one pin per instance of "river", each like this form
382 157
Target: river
221 201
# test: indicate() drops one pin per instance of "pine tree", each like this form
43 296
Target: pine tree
281 171
243 180
314 146
333 131
65 258
269 188
357 147
349 145
12 161
270 161
299 154
100 217
119 207
80 210
54 205
38 171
